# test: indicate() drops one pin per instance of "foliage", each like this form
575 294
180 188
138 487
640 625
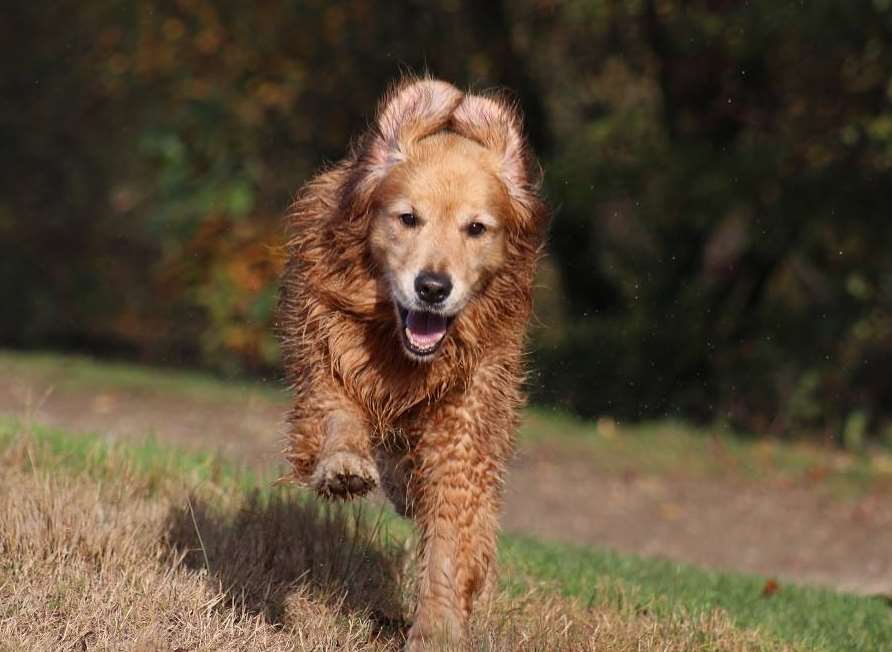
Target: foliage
718 169
723 225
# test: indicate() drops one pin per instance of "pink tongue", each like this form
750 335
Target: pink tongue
425 328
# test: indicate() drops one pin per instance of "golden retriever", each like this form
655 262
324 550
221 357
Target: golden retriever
403 314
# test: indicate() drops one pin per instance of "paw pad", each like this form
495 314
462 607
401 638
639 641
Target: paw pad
344 475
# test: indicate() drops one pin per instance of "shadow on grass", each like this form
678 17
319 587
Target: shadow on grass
274 545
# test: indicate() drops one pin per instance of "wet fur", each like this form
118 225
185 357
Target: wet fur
437 434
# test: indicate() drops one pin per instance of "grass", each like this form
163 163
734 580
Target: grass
97 457
670 447
70 372
810 618
110 547
658 448
108 543
586 593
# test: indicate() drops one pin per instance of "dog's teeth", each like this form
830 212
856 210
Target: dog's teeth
418 347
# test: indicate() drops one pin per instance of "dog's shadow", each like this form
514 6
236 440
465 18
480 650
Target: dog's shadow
278 544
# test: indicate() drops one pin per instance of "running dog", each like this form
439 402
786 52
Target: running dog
403 313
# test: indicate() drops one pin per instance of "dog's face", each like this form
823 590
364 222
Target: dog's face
438 235
443 179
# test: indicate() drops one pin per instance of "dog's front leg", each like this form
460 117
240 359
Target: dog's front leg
455 495
345 468
330 448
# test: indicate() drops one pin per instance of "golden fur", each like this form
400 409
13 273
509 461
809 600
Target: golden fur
434 433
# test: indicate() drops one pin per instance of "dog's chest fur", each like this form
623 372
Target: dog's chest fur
366 360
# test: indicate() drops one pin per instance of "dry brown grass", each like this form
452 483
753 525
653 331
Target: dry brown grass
118 560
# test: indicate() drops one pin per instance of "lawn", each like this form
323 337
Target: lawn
602 594
663 447
67 372
145 545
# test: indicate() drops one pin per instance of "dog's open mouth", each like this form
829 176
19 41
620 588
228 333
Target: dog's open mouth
422 331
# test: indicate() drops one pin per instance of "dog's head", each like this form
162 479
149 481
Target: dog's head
444 181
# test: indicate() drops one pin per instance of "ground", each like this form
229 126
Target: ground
144 547
788 513
805 515
777 528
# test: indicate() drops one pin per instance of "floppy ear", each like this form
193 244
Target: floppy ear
411 110
496 124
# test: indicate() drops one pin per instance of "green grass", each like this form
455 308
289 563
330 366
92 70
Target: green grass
98 457
813 619
67 372
657 448
672 447
662 447
809 618
806 618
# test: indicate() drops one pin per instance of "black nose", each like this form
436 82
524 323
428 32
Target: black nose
433 287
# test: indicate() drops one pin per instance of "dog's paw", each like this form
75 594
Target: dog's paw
344 475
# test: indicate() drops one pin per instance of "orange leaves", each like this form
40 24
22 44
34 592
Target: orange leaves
770 587
235 281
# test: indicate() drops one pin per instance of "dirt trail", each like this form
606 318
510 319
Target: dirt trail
788 533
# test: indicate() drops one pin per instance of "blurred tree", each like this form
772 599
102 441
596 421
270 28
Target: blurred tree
721 172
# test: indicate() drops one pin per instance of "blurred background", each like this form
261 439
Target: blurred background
719 170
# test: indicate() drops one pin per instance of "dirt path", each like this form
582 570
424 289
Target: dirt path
788 533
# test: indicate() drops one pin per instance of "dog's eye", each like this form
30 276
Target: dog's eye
409 219
475 229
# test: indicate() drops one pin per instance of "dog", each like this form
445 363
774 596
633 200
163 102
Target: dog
403 311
